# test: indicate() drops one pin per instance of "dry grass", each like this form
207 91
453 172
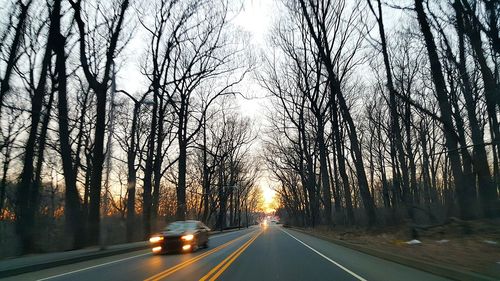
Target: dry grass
465 248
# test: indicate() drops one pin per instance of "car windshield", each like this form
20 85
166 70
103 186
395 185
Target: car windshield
181 226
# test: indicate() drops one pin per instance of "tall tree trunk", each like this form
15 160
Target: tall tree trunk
321 41
132 175
364 191
231 206
464 192
487 190
86 186
380 156
325 177
415 194
72 198
310 177
304 183
428 197
41 143
397 150
147 199
338 140
181 211
205 183
98 158
100 89
335 182
158 160
221 218
5 169
26 207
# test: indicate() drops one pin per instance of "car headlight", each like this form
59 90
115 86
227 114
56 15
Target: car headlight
155 239
187 237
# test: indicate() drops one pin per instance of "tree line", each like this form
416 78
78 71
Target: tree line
384 112
79 147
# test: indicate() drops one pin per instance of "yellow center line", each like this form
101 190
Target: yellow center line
171 270
221 267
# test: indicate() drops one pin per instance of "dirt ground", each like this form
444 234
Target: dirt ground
472 245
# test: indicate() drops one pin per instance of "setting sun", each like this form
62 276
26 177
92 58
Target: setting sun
269 205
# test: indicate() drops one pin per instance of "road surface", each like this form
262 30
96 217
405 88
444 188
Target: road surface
258 253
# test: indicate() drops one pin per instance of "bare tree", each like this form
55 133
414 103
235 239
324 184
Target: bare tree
330 35
466 193
73 209
28 190
198 61
395 132
99 83
12 54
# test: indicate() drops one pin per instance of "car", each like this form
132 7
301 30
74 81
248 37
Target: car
180 236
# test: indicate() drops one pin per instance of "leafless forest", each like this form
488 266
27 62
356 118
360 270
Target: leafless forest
404 131
377 113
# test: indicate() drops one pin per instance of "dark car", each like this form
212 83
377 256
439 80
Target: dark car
180 236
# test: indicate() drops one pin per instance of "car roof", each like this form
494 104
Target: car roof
186 221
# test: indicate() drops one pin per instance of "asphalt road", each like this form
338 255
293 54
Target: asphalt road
270 253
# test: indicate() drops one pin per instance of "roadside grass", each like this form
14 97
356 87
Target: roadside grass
472 245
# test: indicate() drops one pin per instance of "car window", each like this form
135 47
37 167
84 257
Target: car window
181 226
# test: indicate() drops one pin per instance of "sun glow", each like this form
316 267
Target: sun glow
269 204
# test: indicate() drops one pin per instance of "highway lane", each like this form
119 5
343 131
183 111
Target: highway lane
270 253
284 254
137 265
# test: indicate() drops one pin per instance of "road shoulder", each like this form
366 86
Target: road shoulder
434 268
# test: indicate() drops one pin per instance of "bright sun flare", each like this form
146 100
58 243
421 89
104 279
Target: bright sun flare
269 200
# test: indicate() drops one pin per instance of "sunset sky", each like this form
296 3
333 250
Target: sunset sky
255 17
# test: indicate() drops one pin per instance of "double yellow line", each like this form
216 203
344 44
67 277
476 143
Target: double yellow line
221 267
171 270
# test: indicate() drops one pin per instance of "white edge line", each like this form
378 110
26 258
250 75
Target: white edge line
325 257
98 265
